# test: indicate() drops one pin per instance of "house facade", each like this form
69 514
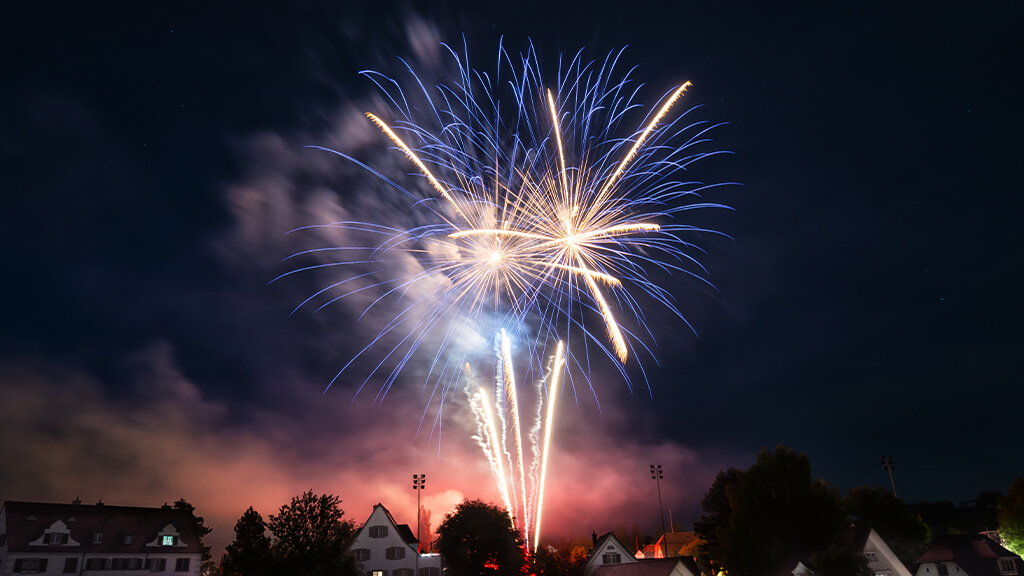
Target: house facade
968 555
383 547
610 557
80 539
865 542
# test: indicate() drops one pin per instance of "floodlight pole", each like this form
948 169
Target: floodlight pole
418 480
656 475
888 466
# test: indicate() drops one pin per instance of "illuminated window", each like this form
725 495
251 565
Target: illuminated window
70 565
181 564
378 531
611 558
396 553
167 540
379 573
361 554
1007 566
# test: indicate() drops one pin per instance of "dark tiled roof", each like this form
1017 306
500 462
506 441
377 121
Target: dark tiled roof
26 522
976 554
656 567
402 530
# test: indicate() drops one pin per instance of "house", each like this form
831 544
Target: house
676 543
860 540
383 547
81 539
610 557
967 555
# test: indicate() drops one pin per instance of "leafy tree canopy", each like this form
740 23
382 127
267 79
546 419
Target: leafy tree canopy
249 554
838 561
478 539
312 538
202 530
895 521
1011 517
770 510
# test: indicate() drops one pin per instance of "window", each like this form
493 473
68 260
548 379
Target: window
30 565
611 558
379 573
432 571
1007 566
97 537
403 572
95 563
943 569
396 553
129 538
167 540
361 554
871 556
71 565
181 564
378 531
156 564
55 538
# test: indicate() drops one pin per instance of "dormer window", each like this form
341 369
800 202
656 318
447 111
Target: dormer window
129 538
55 538
168 540
97 537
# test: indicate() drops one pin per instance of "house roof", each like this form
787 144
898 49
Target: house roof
655 567
27 521
403 530
976 554
853 538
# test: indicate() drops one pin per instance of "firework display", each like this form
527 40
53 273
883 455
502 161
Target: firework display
550 206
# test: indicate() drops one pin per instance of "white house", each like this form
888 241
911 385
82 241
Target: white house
382 547
41 538
866 542
610 557
968 555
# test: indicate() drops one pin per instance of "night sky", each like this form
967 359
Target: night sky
152 160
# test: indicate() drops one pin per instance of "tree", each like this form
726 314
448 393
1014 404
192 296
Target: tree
772 509
838 561
547 563
477 539
712 530
895 521
311 538
424 529
249 554
206 565
1011 517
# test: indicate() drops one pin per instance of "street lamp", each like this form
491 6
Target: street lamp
888 466
657 476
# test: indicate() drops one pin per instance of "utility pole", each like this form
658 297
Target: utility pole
418 480
657 476
888 466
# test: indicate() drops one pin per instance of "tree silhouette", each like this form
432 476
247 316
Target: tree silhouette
478 539
249 554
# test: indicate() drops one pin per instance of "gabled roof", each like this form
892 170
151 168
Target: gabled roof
603 542
28 521
655 567
976 554
403 530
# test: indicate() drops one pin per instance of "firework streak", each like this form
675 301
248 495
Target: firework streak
549 206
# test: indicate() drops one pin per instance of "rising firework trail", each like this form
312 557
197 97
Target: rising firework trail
548 203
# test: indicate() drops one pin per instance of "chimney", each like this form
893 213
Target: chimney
100 503
76 501
594 536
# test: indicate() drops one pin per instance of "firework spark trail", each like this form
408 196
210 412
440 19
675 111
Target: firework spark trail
556 371
512 407
487 438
